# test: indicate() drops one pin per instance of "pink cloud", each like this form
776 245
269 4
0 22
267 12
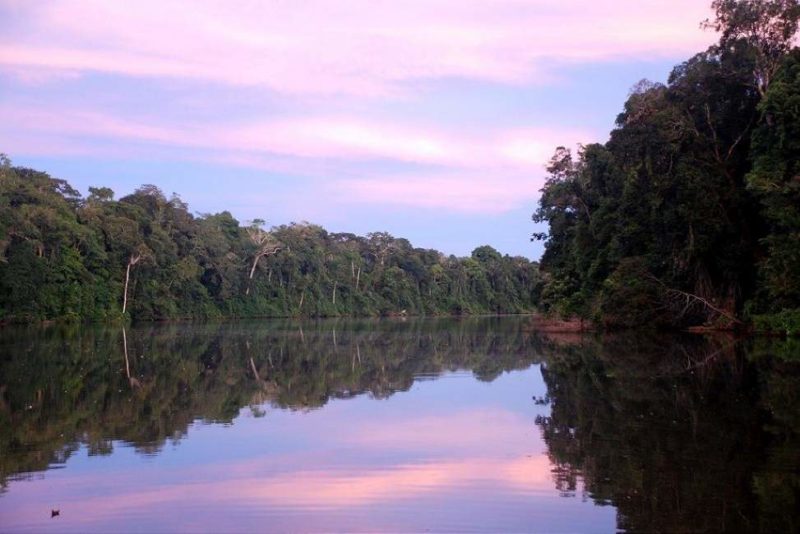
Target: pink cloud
491 171
346 138
307 137
313 53
359 47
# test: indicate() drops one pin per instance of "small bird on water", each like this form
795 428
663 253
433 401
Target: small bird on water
54 513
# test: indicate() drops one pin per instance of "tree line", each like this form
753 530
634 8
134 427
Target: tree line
690 213
147 257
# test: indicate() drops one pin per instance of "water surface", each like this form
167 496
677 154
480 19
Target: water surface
420 425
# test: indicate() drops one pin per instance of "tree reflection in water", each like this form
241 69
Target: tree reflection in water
679 434
689 435
66 386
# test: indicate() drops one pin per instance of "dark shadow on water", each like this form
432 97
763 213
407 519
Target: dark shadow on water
680 435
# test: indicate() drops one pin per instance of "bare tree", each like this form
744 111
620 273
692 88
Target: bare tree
266 245
381 244
142 252
684 302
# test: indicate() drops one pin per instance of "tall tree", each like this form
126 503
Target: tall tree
265 245
767 27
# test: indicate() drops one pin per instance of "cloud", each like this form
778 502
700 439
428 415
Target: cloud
490 172
337 84
360 47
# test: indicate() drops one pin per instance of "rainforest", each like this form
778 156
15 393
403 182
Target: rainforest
689 215
147 257
634 367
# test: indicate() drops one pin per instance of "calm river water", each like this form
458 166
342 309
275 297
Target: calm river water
437 425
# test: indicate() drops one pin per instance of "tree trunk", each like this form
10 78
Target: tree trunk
334 293
252 272
260 254
358 276
132 261
125 349
125 293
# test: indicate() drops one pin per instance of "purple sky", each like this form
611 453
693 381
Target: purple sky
430 119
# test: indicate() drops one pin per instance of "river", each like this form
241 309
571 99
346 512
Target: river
410 425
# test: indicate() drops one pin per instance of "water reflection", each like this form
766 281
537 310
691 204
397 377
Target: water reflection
94 385
664 434
693 435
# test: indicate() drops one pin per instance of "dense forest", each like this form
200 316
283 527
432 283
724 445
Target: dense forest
689 214
147 257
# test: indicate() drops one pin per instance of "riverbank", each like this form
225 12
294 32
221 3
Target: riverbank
234 318
556 325
784 324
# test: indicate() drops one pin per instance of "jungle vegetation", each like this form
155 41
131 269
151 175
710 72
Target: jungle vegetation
690 213
147 257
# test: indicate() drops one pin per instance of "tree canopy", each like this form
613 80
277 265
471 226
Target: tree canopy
146 256
688 215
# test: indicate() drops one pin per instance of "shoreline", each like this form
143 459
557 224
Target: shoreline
553 325
225 319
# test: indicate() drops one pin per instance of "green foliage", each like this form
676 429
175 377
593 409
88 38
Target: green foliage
775 180
786 322
629 297
697 187
145 256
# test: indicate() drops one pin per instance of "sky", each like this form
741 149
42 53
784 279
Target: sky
430 119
